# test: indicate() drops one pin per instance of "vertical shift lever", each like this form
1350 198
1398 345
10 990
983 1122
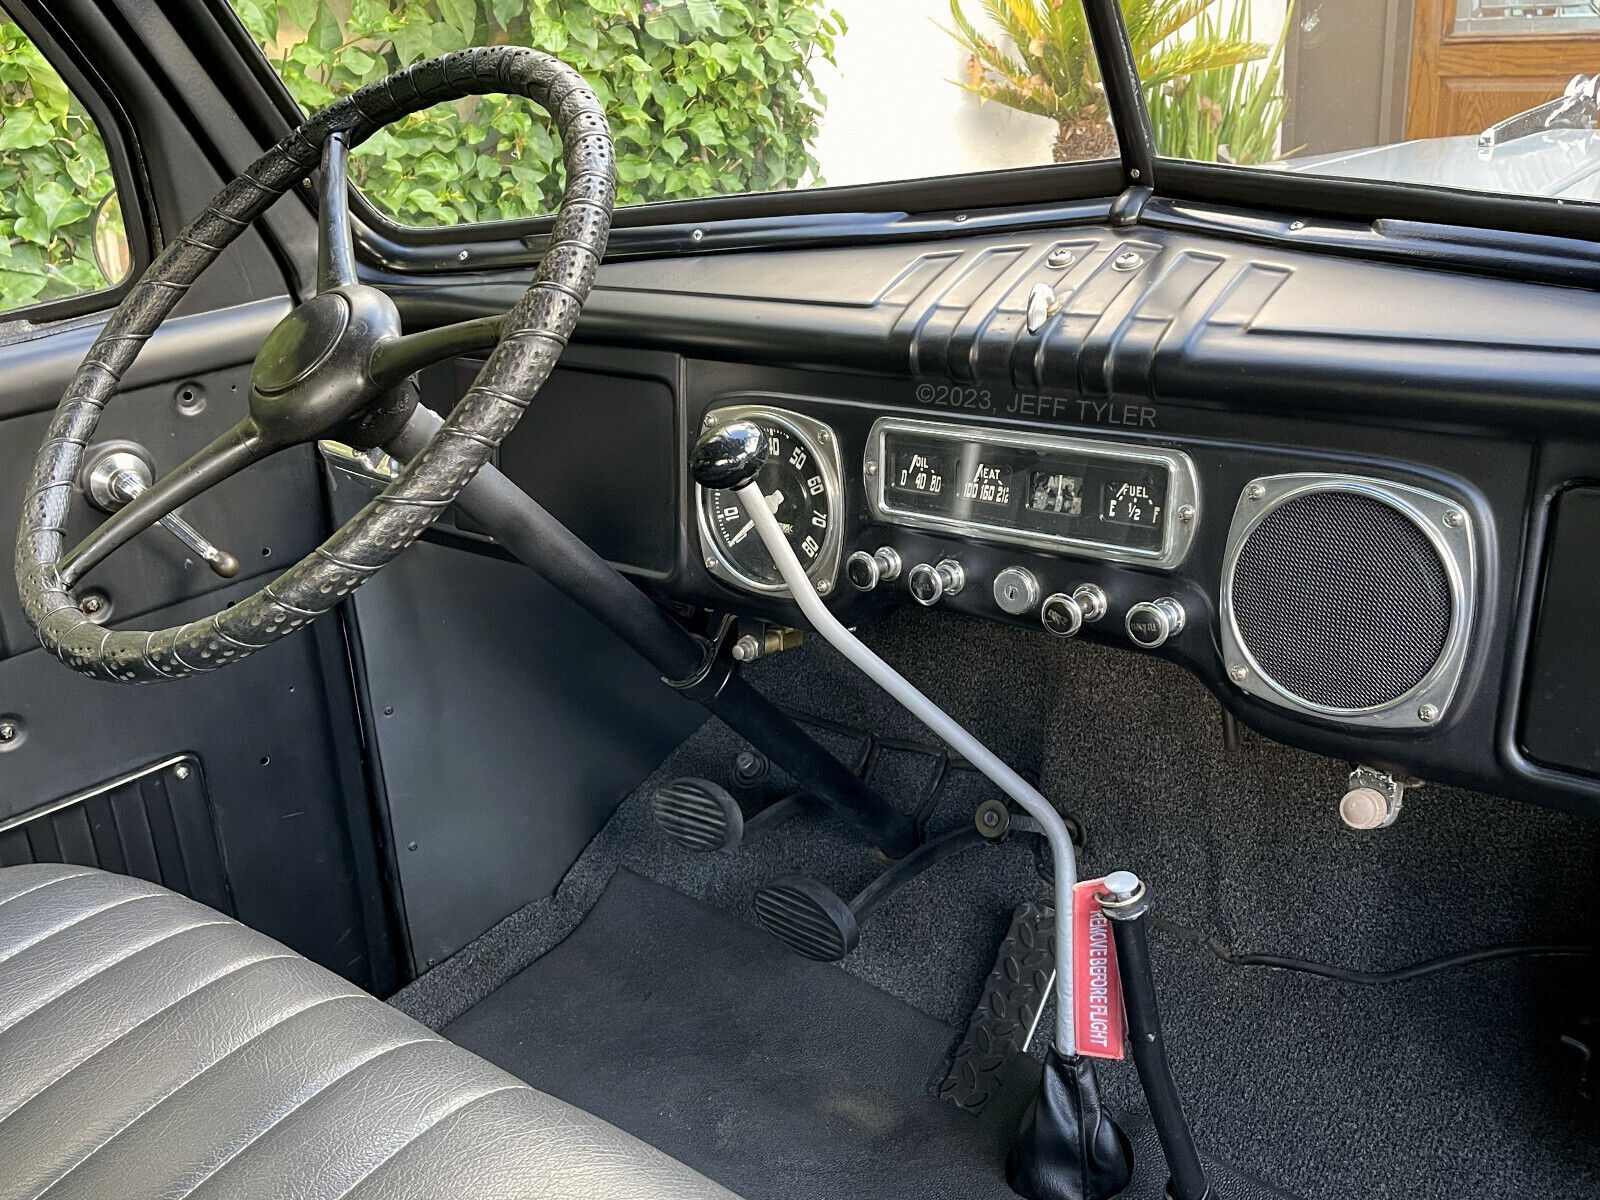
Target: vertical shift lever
730 456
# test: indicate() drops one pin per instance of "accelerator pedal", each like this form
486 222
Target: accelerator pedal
698 814
808 917
1008 1014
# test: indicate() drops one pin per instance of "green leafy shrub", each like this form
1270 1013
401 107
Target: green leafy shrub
705 97
53 173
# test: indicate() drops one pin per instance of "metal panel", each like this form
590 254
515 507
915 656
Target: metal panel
508 725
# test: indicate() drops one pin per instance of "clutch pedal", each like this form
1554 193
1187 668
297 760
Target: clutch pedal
698 814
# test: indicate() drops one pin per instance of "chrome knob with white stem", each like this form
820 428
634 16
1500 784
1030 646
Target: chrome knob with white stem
730 456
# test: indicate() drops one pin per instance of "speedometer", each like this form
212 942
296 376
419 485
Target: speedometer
801 486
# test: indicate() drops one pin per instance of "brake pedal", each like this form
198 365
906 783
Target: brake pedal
812 919
807 916
697 814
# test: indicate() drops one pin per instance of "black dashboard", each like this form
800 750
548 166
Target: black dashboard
1312 481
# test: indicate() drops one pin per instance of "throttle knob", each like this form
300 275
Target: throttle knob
1151 622
930 584
729 455
866 571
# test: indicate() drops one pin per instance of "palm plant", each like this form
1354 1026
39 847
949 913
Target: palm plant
1049 67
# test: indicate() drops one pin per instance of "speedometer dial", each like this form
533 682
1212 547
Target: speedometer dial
800 485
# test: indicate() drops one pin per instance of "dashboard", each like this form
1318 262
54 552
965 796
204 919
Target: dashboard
1309 481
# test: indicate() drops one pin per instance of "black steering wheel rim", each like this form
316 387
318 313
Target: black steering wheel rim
531 339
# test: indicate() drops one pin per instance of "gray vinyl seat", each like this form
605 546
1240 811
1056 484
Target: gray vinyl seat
151 1047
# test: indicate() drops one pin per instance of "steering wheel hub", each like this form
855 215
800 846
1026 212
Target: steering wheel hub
300 344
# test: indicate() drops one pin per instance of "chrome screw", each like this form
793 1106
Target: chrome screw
462 257
823 587
1186 513
1126 261
1297 225
699 235
872 467
1060 257
1239 673
711 564
1428 714
8 731
710 420
1255 491
1454 519
181 771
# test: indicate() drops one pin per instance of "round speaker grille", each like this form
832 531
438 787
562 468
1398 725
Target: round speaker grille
1341 599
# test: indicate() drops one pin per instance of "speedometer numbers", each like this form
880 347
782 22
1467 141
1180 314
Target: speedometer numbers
800 485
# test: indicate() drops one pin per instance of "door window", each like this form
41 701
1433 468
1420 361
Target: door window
706 97
61 231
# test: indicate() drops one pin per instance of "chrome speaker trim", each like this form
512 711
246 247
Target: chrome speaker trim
1183 491
1448 527
823 442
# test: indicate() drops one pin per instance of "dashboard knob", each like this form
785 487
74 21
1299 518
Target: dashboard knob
729 455
929 584
1061 615
1016 591
1151 622
1092 599
866 571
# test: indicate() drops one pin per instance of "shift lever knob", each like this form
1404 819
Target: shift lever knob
729 455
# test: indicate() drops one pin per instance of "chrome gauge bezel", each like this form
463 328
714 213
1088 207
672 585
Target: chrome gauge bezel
1183 491
822 443
1448 526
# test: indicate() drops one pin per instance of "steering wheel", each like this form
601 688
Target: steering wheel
336 366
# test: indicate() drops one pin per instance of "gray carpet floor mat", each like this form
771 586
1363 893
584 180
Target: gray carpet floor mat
1453 1085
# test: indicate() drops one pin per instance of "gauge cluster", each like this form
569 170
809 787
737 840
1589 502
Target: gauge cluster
1105 500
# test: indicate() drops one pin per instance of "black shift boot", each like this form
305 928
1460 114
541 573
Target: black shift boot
1068 1147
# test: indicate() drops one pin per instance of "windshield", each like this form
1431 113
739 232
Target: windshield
1470 94
706 97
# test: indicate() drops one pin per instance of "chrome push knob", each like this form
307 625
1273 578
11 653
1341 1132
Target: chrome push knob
866 571
930 584
1063 615
1151 622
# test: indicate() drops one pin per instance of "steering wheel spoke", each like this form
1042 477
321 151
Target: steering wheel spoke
223 458
396 360
336 255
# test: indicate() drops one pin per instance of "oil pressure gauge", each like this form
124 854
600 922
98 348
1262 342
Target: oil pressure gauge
802 486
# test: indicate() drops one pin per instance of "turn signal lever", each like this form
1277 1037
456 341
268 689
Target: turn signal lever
117 473
730 456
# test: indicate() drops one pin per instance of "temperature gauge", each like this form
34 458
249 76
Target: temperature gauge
988 483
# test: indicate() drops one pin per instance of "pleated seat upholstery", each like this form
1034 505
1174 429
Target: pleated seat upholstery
151 1047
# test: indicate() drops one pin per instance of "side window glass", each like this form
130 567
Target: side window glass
706 97
61 231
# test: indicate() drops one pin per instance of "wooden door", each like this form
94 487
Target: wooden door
1475 62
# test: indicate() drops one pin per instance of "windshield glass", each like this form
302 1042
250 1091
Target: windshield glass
1483 95
706 97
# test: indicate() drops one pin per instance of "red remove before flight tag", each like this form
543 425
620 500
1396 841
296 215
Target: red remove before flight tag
1099 1018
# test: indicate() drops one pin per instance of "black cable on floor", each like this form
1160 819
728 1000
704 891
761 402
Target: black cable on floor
1464 958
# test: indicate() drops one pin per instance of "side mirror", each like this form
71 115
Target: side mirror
109 239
